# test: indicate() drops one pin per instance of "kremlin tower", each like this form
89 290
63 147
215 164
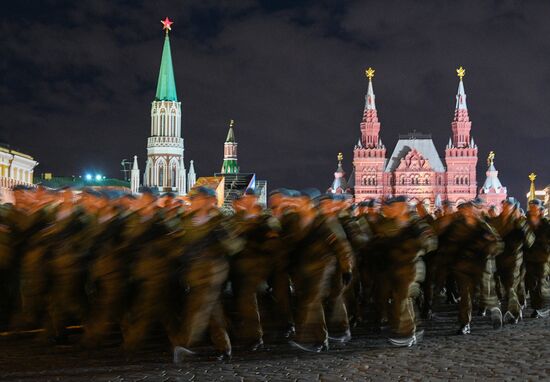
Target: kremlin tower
230 165
461 152
369 155
165 169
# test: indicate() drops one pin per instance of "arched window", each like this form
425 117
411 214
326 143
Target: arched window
161 175
364 181
402 180
174 175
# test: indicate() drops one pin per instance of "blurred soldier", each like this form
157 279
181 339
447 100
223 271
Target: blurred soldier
204 264
22 221
321 254
111 258
430 262
358 233
537 260
284 208
67 299
444 279
155 293
250 268
403 239
515 233
470 243
333 208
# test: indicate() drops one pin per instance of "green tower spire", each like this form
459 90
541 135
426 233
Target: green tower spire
166 86
230 164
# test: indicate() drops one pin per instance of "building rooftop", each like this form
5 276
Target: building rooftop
420 142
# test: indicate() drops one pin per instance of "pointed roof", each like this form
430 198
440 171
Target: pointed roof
135 164
492 184
370 98
166 85
461 97
191 167
230 136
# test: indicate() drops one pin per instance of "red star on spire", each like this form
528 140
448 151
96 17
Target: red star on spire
166 24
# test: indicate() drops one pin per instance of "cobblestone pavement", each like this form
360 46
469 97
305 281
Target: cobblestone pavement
519 352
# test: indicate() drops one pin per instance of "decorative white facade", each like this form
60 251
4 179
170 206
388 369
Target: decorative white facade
165 169
15 169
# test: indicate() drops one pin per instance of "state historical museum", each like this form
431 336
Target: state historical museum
414 168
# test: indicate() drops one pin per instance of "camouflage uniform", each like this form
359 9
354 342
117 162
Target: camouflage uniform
251 268
400 269
515 233
537 259
322 256
470 249
204 270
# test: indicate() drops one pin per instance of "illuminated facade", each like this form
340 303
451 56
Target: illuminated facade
15 169
414 168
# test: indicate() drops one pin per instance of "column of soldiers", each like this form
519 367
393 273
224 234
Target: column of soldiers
308 269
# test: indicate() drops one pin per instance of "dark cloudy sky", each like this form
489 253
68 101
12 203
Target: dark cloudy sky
78 77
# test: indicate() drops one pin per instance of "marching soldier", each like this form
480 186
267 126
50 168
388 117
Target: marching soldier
204 270
251 267
515 233
402 240
470 243
537 260
430 261
321 254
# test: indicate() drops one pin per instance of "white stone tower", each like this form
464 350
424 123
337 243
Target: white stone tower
165 169
134 177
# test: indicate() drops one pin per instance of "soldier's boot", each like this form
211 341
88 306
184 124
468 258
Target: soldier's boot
336 312
250 328
205 279
217 327
311 329
402 316
280 284
509 279
466 287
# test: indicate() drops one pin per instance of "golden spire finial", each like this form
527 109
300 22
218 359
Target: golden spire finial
532 177
231 123
369 73
340 157
461 72
490 158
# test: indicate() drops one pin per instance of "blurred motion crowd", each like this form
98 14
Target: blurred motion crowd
312 265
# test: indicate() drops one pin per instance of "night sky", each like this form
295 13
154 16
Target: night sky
78 78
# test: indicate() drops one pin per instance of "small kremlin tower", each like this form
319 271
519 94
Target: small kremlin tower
230 165
492 192
339 185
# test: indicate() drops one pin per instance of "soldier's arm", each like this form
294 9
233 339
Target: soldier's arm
339 244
